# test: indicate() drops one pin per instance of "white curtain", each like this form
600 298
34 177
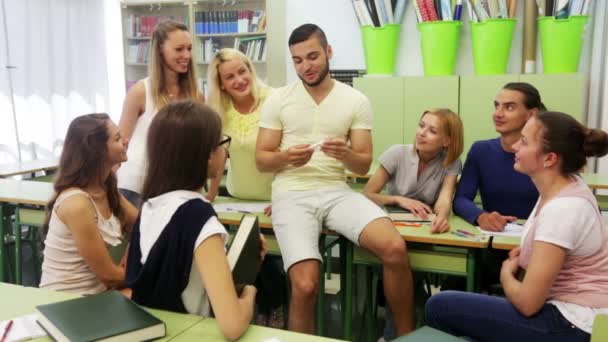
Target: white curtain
59 50
597 105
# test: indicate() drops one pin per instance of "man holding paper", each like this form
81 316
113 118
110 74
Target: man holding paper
309 190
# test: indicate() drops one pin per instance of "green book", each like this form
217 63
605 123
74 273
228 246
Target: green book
108 316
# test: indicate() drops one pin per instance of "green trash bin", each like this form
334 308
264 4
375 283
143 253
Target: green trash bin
492 45
380 46
439 41
561 42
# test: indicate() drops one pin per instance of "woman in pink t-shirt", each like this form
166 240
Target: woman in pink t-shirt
557 281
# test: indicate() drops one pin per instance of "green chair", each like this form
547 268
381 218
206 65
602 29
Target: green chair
33 219
600 329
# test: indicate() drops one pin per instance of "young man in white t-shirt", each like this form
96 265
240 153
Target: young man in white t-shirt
310 132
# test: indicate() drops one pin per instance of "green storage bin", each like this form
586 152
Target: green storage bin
492 45
380 46
439 42
561 41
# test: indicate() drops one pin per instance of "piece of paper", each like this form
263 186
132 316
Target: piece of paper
24 328
511 229
241 207
317 146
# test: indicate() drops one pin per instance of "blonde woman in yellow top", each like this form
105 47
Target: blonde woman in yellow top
237 94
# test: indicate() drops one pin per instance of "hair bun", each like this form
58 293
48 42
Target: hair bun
596 143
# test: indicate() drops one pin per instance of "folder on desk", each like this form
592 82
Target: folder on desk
397 214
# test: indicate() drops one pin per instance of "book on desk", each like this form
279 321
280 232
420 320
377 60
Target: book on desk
244 254
108 316
398 214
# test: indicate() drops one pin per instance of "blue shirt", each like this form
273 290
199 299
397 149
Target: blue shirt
489 169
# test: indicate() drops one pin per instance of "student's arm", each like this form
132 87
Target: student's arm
232 313
129 210
268 157
135 104
80 216
528 296
443 206
467 189
356 158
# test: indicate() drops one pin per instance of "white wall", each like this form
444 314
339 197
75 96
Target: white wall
337 18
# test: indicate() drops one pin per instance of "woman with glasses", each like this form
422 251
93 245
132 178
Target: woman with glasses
177 258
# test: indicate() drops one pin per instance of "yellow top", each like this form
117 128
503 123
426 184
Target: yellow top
244 180
292 110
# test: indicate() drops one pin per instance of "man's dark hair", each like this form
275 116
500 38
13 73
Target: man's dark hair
305 32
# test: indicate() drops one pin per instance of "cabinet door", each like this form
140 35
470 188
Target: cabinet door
424 93
477 94
386 97
560 92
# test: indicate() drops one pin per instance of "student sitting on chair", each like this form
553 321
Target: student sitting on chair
237 94
421 176
310 132
506 195
87 218
556 282
177 258
171 77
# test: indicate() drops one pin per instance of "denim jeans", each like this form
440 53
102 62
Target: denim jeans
488 318
131 196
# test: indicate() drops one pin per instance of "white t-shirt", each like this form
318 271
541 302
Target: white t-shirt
570 222
155 215
292 110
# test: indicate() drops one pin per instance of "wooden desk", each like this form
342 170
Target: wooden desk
505 243
21 168
235 218
208 330
596 180
19 300
17 192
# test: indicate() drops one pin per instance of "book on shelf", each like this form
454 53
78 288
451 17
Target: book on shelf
253 47
108 316
137 52
140 26
244 254
222 22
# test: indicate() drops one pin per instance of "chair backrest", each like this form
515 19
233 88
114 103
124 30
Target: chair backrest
600 329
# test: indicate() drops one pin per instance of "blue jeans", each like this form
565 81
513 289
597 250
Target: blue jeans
131 196
488 318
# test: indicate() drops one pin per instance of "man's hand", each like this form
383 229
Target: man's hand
494 221
299 155
336 148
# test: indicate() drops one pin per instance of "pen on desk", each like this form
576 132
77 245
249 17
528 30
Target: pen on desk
244 212
459 234
465 232
7 329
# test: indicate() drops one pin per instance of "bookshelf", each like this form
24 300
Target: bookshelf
213 24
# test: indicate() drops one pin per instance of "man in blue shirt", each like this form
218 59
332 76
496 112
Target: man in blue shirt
506 194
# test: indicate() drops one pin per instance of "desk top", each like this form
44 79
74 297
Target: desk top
20 168
596 180
25 192
20 300
411 234
506 243
208 330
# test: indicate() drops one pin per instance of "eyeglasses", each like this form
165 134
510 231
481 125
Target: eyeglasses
225 142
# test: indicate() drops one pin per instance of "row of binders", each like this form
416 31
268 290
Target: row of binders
243 21
562 9
142 26
379 12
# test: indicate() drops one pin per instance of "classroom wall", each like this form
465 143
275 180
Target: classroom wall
338 20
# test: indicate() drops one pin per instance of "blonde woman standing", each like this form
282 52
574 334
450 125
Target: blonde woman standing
171 77
237 94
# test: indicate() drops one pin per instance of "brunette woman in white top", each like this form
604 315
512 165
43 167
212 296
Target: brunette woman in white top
556 282
170 77
87 218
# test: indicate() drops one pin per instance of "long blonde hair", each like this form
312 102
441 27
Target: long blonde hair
219 99
450 126
186 81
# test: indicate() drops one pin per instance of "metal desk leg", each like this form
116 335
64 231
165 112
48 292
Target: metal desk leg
470 271
347 261
2 249
321 295
17 230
